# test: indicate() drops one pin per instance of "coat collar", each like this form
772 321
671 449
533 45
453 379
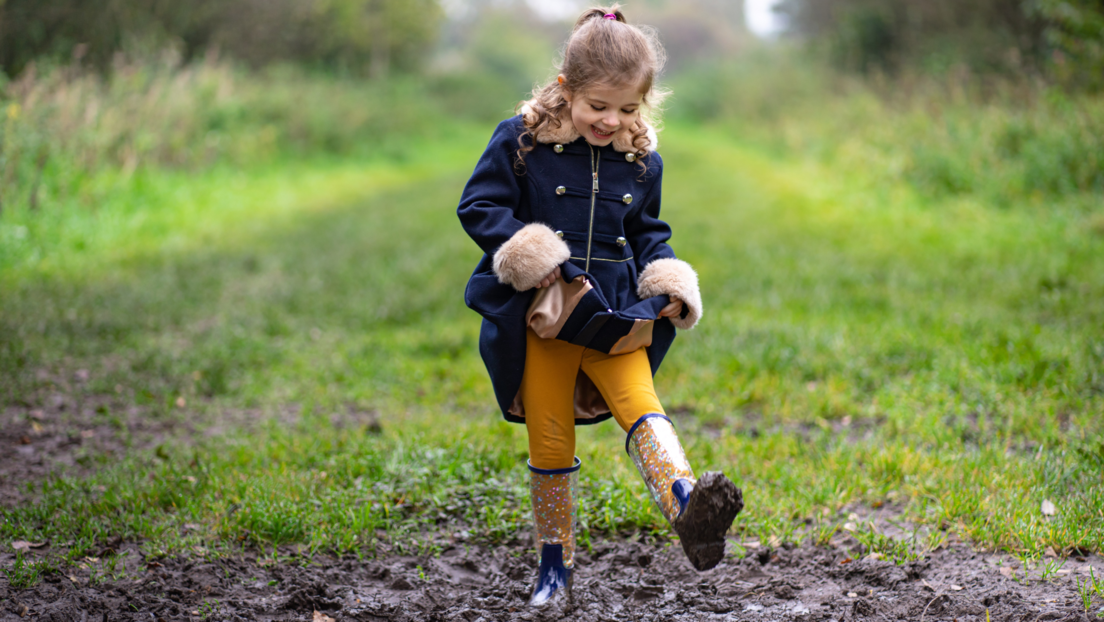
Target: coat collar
566 133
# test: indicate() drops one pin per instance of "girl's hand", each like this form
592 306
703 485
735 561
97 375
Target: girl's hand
551 278
672 310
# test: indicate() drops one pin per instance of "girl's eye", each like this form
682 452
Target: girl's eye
628 111
599 108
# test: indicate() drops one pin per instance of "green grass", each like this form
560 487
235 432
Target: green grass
1008 140
862 345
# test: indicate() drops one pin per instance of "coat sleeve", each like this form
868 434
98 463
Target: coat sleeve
661 273
523 253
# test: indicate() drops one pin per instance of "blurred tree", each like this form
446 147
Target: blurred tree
1075 34
373 36
986 35
695 31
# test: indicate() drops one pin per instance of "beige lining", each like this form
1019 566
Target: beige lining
640 336
552 306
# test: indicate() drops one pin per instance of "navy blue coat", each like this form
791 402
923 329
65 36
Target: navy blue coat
612 233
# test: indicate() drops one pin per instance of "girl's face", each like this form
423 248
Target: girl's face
600 112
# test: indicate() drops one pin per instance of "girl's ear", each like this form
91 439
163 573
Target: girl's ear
563 89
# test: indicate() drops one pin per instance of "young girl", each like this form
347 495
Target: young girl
580 293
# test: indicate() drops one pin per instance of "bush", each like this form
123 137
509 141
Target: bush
61 127
1001 139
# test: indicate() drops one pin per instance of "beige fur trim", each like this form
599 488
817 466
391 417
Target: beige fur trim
529 255
673 277
566 133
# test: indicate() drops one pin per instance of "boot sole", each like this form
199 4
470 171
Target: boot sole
714 504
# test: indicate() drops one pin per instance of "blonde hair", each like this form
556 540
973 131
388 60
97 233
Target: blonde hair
605 52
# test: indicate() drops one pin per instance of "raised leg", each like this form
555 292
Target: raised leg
699 510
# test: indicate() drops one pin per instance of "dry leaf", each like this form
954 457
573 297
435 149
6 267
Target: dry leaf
321 617
22 545
1048 508
957 588
774 542
181 402
1006 571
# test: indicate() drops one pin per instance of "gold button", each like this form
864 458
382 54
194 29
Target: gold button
560 190
558 148
622 241
631 157
559 233
627 199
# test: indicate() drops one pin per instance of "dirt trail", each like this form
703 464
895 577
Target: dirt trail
617 580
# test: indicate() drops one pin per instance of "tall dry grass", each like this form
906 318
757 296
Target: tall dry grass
63 127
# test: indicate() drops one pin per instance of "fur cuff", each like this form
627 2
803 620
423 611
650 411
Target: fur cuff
673 277
529 256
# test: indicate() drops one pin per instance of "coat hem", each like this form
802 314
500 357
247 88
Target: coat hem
578 421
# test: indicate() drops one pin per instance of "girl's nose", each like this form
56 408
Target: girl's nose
612 122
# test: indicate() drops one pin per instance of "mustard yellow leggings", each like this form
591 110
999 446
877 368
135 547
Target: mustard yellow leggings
548 393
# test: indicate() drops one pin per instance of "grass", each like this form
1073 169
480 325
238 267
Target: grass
864 344
1011 142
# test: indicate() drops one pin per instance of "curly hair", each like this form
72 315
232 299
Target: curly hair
600 52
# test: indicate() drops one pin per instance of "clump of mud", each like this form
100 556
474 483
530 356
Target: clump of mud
615 580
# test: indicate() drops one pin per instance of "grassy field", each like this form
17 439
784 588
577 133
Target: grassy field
863 346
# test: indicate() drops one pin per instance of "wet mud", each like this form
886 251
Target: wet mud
713 505
614 580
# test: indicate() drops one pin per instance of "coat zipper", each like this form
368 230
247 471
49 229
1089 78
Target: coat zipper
593 196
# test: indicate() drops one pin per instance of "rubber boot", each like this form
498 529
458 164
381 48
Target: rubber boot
699 510
553 492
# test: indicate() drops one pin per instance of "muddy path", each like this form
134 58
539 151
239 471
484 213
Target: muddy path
616 580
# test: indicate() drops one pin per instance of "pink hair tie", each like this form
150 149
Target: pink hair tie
610 16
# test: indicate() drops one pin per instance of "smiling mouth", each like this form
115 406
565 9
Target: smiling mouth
599 133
